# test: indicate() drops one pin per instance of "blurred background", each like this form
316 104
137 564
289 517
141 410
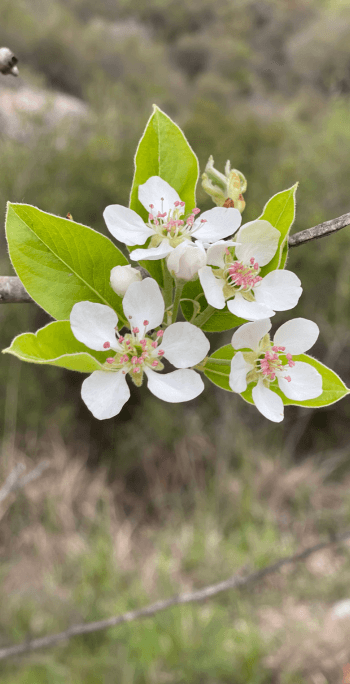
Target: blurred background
164 499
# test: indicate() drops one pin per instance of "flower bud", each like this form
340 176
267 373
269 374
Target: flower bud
122 277
185 260
225 190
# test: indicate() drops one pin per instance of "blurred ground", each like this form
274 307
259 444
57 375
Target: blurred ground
77 546
127 515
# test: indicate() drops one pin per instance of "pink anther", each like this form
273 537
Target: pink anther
196 211
106 345
145 322
161 352
154 363
182 204
154 344
110 360
135 331
160 333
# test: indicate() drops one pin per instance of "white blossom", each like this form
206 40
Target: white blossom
167 226
122 276
232 274
261 363
137 353
186 259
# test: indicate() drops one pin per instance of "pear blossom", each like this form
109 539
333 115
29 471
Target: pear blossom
137 353
122 276
167 227
186 259
232 274
270 365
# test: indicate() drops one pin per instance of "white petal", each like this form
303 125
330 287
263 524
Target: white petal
105 393
249 335
184 345
268 402
213 287
152 253
279 290
238 374
94 324
306 382
297 335
251 311
220 223
215 253
153 191
180 385
259 239
144 302
126 226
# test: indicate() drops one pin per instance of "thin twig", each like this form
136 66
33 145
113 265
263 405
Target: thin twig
15 481
12 290
321 230
234 582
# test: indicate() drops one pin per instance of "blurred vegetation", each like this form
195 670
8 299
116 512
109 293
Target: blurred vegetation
265 84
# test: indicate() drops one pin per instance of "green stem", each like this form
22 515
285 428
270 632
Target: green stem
177 298
203 317
220 362
168 287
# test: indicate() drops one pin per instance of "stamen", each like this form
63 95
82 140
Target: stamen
106 345
135 331
110 360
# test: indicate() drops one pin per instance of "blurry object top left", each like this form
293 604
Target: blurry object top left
8 62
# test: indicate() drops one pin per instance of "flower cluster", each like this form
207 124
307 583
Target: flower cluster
230 272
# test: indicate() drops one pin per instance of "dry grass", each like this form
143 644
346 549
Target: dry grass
48 530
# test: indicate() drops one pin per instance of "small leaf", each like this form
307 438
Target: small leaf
333 387
280 212
56 345
164 151
218 374
61 262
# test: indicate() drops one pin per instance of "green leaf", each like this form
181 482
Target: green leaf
280 212
164 151
333 387
219 375
61 262
56 345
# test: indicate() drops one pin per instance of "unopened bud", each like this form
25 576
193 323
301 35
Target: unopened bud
185 260
122 277
225 190
8 62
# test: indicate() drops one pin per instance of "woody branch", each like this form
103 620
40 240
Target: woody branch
12 290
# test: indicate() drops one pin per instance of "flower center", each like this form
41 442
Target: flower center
242 276
170 225
271 363
135 351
